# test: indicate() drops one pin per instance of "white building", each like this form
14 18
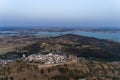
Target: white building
47 59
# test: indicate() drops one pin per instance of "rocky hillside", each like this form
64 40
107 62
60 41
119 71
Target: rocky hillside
83 69
81 46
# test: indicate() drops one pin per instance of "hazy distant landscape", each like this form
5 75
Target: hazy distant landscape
90 58
59 39
101 33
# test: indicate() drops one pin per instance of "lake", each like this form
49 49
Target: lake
115 36
8 33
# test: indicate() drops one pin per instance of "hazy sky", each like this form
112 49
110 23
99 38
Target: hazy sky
60 13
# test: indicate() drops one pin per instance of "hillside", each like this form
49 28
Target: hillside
97 59
83 69
81 46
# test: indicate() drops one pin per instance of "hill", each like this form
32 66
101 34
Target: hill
81 46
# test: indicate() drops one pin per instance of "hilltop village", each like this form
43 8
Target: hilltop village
42 59
47 59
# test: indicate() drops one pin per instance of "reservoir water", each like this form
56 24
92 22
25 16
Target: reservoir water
115 36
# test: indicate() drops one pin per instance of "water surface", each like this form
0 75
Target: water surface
101 35
115 36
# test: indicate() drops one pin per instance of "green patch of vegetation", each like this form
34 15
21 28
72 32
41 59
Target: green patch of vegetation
60 77
63 70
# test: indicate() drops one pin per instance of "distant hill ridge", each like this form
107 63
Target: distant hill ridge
81 46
